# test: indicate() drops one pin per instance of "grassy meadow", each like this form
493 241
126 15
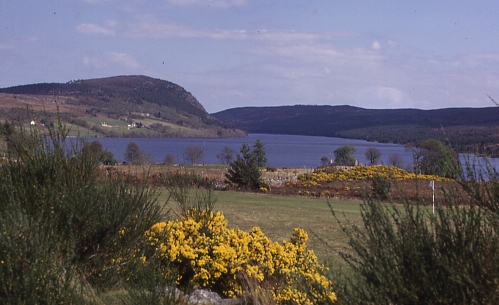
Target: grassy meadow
278 215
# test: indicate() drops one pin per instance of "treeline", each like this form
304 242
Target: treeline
468 130
473 140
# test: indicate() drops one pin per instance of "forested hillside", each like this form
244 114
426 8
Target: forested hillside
473 130
123 106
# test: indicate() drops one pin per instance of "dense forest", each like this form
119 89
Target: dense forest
473 130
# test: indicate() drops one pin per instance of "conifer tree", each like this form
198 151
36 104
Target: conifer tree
244 171
259 152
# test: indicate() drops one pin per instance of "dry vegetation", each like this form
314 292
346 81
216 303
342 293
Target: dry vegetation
287 182
48 103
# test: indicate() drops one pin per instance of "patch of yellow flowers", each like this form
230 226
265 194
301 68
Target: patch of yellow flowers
367 173
207 253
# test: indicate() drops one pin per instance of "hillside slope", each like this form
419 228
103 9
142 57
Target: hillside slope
125 106
467 129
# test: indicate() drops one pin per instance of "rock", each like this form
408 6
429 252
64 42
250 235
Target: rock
202 296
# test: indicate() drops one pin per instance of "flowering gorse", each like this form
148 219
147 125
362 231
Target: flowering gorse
206 253
367 173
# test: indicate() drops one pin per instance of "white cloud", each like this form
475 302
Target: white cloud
392 44
376 45
18 43
98 1
123 59
148 26
382 97
7 46
321 53
282 67
93 29
107 59
214 3
320 73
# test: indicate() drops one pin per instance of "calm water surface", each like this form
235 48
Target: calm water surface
281 150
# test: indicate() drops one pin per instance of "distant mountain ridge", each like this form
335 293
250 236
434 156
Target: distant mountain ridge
168 109
467 129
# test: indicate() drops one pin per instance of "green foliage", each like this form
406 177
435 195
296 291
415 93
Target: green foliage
31 268
259 152
62 223
344 155
381 187
179 187
244 171
150 284
432 157
407 255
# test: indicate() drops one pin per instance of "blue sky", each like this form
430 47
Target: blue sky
234 53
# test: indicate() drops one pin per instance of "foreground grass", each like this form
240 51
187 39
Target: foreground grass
278 215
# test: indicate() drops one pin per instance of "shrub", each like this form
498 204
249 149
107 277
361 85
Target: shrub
61 221
204 252
406 255
367 173
381 187
31 268
344 155
180 185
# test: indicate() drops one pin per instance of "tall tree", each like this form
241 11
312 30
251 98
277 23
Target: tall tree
97 154
372 155
395 160
433 157
226 156
344 155
244 171
193 153
259 152
135 156
169 159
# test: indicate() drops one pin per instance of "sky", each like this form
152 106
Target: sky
236 53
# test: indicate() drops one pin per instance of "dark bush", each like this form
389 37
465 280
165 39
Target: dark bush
63 223
407 255
381 187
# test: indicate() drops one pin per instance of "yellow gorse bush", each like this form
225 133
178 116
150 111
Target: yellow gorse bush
367 173
207 253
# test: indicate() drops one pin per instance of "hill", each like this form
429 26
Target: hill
121 106
474 130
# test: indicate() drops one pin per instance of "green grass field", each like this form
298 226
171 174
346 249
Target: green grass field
108 121
277 216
